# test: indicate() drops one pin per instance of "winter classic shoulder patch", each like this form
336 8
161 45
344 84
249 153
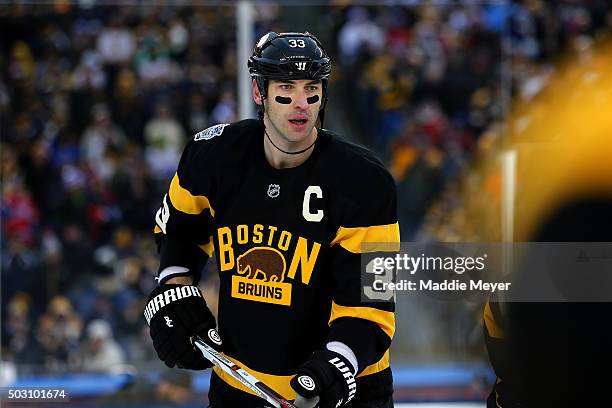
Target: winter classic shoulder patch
210 132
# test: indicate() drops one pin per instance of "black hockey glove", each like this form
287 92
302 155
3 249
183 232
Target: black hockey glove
174 314
327 375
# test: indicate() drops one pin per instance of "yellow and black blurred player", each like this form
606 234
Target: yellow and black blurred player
286 207
554 354
559 354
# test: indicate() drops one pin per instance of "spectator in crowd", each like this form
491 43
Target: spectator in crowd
101 353
165 139
17 326
225 110
55 339
100 140
127 104
359 35
89 74
198 117
116 43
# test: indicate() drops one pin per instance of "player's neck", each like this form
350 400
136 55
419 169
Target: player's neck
274 144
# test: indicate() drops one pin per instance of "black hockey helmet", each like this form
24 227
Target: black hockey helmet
289 56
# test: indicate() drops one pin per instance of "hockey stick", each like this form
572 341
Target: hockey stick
241 375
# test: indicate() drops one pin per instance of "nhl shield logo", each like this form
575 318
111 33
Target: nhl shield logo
273 190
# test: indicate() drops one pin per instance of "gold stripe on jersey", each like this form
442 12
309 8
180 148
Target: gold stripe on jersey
186 202
385 320
279 383
353 239
493 328
377 367
209 248
156 229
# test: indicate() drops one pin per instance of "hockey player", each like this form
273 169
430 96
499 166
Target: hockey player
286 206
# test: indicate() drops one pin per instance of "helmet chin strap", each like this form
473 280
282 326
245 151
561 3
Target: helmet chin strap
286 152
285 101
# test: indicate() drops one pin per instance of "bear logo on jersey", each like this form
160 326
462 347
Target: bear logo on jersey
262 261
261 275
210 132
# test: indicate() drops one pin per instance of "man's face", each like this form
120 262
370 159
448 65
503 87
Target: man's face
292 108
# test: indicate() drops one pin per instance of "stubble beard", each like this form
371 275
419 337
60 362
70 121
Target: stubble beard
287 141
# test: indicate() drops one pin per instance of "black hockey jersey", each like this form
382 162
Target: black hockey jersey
288 244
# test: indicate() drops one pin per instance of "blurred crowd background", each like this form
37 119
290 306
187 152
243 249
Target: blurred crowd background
97 102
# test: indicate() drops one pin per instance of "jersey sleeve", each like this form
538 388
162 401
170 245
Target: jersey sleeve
368 225
184 222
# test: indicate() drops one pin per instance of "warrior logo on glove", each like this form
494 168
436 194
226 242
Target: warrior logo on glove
348 376
170 295
213 335
306 382
327 375
175 313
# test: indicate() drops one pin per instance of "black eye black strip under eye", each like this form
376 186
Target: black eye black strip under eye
283 100
312 99
287 101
